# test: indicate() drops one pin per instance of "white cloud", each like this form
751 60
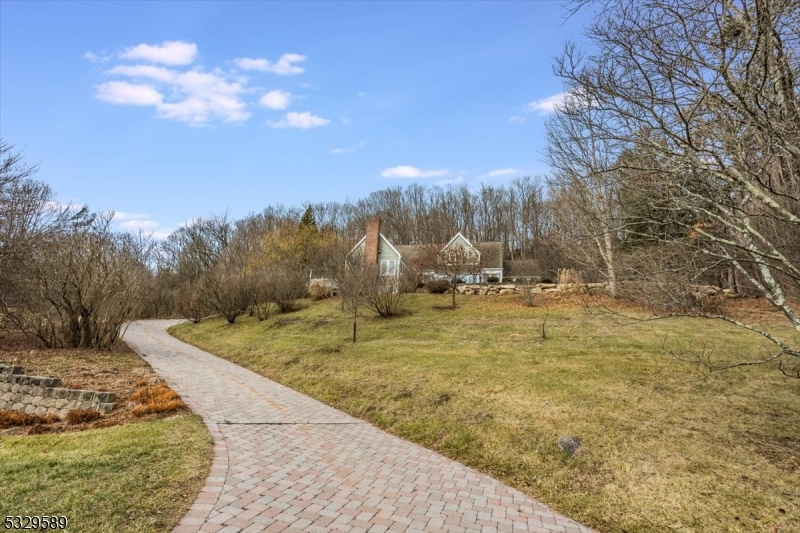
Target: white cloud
302 120
96 58
121 215
276 99
543 106
196 97
145 71
517 118
136 225
60 206
348 149
409 172
163 78
501 172
284 66
136 222
124 93
168 53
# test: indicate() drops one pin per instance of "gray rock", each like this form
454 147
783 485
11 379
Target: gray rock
569 445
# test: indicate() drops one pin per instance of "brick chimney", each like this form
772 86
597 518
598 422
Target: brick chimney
373 240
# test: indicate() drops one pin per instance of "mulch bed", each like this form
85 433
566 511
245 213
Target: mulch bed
141 394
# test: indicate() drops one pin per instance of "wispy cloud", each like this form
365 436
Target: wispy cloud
363 93
136 222
409 172
501 172
97 58
285 65
348 149
517 118
276 99
547 105
144 225
123 216
304 120
167 53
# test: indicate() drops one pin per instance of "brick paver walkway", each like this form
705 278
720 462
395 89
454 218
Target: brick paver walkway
285 462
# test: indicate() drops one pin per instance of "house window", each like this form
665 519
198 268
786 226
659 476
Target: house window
388 267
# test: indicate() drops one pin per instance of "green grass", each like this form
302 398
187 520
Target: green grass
138 477
662 449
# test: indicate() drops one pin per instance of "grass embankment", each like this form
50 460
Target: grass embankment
662 450
135 469
139 477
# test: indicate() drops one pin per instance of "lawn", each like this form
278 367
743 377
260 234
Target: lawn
139 477
123 472
663 448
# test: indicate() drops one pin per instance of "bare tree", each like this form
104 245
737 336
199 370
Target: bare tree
350 279
189 304
706 94
28 214
583 189
452 262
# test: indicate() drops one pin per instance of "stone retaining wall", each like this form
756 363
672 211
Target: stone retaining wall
539 288
38 395
700 291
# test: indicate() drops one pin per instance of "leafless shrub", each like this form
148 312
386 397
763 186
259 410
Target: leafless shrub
188 303
318 290
286 284
77 287
383 295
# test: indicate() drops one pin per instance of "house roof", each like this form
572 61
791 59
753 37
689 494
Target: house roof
491 254
408 252
384 239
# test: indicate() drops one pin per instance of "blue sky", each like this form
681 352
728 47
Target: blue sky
167 111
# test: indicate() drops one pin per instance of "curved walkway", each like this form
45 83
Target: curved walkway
285 462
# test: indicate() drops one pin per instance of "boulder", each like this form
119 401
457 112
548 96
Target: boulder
569 445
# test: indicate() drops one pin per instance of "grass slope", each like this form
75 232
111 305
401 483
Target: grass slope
663 451
138 477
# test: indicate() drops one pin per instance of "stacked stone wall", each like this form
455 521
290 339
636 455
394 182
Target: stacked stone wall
701 291
39 395
539 288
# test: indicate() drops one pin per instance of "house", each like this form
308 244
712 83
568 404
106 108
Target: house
391 258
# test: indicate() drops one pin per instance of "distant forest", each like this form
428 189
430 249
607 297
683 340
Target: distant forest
516 214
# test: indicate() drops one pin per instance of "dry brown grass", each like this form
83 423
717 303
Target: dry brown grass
155 399
665 449
81 416
12 418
